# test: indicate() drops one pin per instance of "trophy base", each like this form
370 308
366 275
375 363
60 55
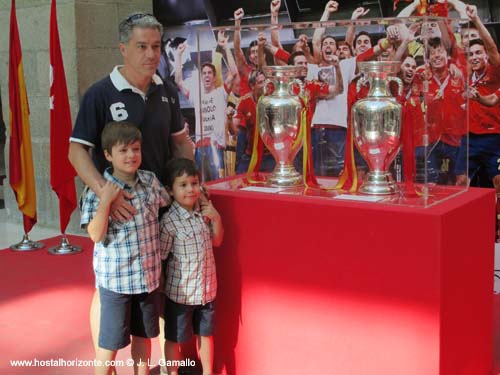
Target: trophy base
378 183
285 175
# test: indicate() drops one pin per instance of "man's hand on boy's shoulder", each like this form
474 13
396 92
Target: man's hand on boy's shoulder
120 210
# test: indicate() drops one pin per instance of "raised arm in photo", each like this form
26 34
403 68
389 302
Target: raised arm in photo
319 32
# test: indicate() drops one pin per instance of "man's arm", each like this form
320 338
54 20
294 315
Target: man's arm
79 157
238 52
261 51
275 35
338 88
223 43
330 8
490 100
459 6
351 30
179 81
182 147
400 36
489 44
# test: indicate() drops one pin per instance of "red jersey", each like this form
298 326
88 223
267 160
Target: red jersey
313 90
246 113
445 109
244 87
482 119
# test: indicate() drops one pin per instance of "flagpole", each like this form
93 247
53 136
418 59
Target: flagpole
27 244
64 248
62 173
21 173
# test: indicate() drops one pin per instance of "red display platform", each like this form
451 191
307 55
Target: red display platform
311 285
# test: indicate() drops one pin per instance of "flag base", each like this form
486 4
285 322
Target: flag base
27 245
64 248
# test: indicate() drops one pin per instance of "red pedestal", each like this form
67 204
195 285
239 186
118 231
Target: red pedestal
321 286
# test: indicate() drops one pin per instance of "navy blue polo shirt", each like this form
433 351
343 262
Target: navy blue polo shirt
156 113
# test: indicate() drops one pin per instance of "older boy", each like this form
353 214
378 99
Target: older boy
127 262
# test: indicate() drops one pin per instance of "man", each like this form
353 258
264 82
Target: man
280 55
446 118
244 125
132 92
329 123
350 36
362 43
314 90
484 121
244 66
343 50
210 129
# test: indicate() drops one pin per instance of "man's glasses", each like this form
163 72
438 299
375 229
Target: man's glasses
137 16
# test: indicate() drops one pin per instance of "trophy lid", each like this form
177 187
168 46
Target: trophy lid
280 71
389 67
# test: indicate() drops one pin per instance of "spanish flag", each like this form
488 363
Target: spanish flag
62 174
21 175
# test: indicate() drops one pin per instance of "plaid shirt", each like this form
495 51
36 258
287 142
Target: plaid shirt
127 260
187 241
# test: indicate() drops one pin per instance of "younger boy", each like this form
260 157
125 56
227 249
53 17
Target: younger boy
127 261
186 236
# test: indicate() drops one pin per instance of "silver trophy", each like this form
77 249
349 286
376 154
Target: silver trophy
279 125
376 122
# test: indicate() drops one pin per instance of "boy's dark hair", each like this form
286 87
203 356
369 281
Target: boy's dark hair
210 65
122 132
328 37
252 77
291 59
359 34
435 43
177 167
473 42
344 43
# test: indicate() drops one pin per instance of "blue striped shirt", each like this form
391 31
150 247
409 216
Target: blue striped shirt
128 260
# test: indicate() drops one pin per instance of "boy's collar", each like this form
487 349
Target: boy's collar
108 175
185 214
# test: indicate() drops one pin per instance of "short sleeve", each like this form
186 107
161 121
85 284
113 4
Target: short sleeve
88 208
90 119
167 236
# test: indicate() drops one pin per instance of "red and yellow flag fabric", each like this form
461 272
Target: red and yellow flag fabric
21 174
62 174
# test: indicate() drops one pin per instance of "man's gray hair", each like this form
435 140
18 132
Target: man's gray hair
139 19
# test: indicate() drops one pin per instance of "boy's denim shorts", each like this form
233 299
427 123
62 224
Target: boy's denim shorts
181 321
123 315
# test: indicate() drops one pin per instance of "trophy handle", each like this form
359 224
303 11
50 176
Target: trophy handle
297 82
268 82
399 82
361 81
